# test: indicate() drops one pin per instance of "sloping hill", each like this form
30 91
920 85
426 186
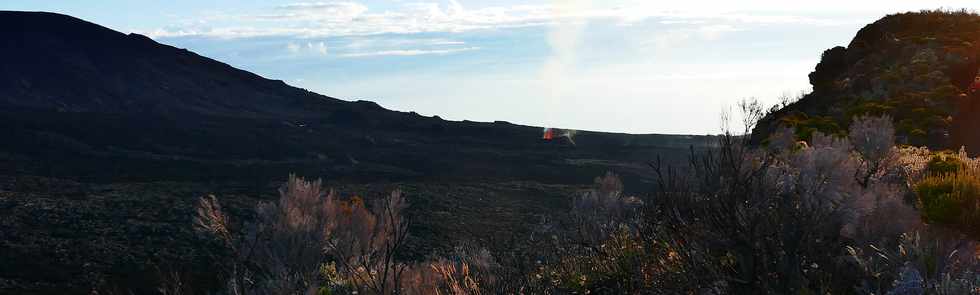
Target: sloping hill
77 96
917 68
58 62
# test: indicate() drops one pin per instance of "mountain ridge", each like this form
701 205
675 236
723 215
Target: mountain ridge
75 73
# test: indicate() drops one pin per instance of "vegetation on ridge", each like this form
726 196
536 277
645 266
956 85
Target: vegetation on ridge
917 68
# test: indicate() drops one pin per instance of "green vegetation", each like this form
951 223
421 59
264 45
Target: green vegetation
950 199
805 125
912 67
950 193
944 163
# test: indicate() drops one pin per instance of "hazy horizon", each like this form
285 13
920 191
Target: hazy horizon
616 66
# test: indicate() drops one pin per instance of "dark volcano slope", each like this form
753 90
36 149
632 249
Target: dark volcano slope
85 102
919 68
109 139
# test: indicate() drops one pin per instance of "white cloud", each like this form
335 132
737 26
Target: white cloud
332 19
397 42
400 46
410 52
712 32
310 47
336 11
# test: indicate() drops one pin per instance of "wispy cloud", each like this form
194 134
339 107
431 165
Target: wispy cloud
410 52
346 18
332 19
357 43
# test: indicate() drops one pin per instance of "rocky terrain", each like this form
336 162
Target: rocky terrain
919 68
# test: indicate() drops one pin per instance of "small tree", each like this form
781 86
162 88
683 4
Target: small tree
874 140
364 243
281 251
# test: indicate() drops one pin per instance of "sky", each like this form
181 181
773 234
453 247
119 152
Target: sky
636 66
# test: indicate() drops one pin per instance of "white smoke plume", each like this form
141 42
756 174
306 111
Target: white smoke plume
564 37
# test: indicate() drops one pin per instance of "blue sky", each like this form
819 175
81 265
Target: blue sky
638 66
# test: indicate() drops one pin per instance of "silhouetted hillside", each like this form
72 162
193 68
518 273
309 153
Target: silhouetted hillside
76 95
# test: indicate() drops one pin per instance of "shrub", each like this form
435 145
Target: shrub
364 242
944 163
310 241
872 108
622 264
913 162
748 220
755 222
600 249
874 140
928 262
948 189
281 251
951 199
603 210
806 126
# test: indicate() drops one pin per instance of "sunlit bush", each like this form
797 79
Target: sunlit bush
951 199
944 163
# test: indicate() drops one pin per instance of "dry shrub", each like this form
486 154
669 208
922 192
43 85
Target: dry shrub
364 242
601 249
603 210
293 240
933 261
776 220
874 140
311 242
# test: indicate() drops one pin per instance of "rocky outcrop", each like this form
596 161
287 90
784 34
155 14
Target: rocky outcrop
915 67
